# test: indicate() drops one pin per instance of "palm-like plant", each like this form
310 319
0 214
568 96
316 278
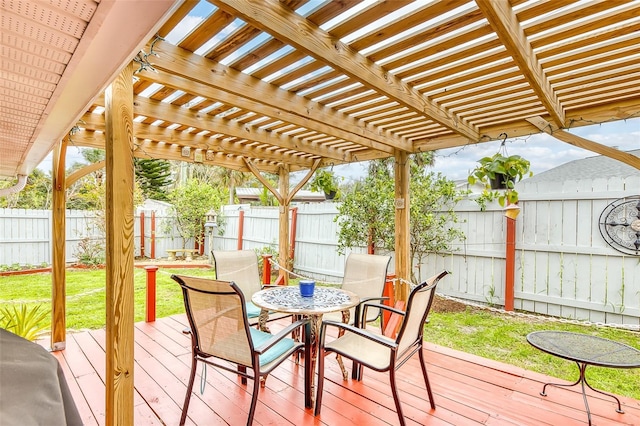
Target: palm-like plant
24 321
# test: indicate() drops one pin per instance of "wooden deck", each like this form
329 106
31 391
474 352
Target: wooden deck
468 390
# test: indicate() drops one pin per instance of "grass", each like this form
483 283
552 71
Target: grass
86 294
495 336
502 337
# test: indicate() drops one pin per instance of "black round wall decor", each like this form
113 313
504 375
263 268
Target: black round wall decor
620 225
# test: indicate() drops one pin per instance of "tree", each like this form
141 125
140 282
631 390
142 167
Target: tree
432 203
191 202
87 193
35 195
154 177
367 215
231 179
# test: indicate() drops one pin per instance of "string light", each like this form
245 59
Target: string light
142 57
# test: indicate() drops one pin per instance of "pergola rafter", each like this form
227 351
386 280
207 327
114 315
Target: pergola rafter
507 27
208 78
293 85
287 26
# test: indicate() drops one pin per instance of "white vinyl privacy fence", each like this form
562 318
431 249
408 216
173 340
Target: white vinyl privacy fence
25 235
563 266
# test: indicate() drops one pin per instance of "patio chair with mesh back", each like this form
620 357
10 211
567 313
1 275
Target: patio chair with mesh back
220 332
241 267
379 352
364 275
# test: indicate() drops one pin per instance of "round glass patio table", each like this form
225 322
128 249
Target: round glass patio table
288 299
585 350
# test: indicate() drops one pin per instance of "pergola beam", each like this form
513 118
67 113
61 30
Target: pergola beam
272 17
173 114
597 113
580 142
180 69
151 149
505 23
204 142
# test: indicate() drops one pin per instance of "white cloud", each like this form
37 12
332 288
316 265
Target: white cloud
542 150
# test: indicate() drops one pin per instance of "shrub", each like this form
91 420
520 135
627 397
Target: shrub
24 321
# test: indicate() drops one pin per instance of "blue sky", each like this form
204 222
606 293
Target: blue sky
542 150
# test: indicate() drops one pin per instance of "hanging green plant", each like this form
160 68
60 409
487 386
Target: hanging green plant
325 181
500 172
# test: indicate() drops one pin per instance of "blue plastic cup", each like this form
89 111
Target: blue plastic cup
307 287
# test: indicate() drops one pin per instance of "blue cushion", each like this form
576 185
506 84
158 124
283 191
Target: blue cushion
259 337
252 310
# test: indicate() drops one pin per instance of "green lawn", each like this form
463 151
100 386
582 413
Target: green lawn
502 337
86 294
496 336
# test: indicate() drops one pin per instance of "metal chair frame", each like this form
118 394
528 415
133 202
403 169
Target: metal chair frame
408 341
219 291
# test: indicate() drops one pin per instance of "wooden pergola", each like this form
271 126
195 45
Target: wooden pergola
292 85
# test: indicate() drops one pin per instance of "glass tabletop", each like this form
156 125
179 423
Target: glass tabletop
585 348
288 299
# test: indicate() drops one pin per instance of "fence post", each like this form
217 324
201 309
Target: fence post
510 260
266 269
150 308
153 234
240 228
141 234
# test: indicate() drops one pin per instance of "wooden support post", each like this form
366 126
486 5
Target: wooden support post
119 250
292 234
403 251
283 226
510 267
150 307
58 249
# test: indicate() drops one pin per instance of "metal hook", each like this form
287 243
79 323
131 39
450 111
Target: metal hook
504 139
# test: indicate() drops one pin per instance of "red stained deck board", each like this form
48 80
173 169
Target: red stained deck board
468 390
151 378
76 392
94 393
93 350
157 334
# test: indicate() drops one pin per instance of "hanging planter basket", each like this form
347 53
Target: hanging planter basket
500 181
500 172
325 181
330 195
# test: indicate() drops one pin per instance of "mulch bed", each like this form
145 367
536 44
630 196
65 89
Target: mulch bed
442 305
